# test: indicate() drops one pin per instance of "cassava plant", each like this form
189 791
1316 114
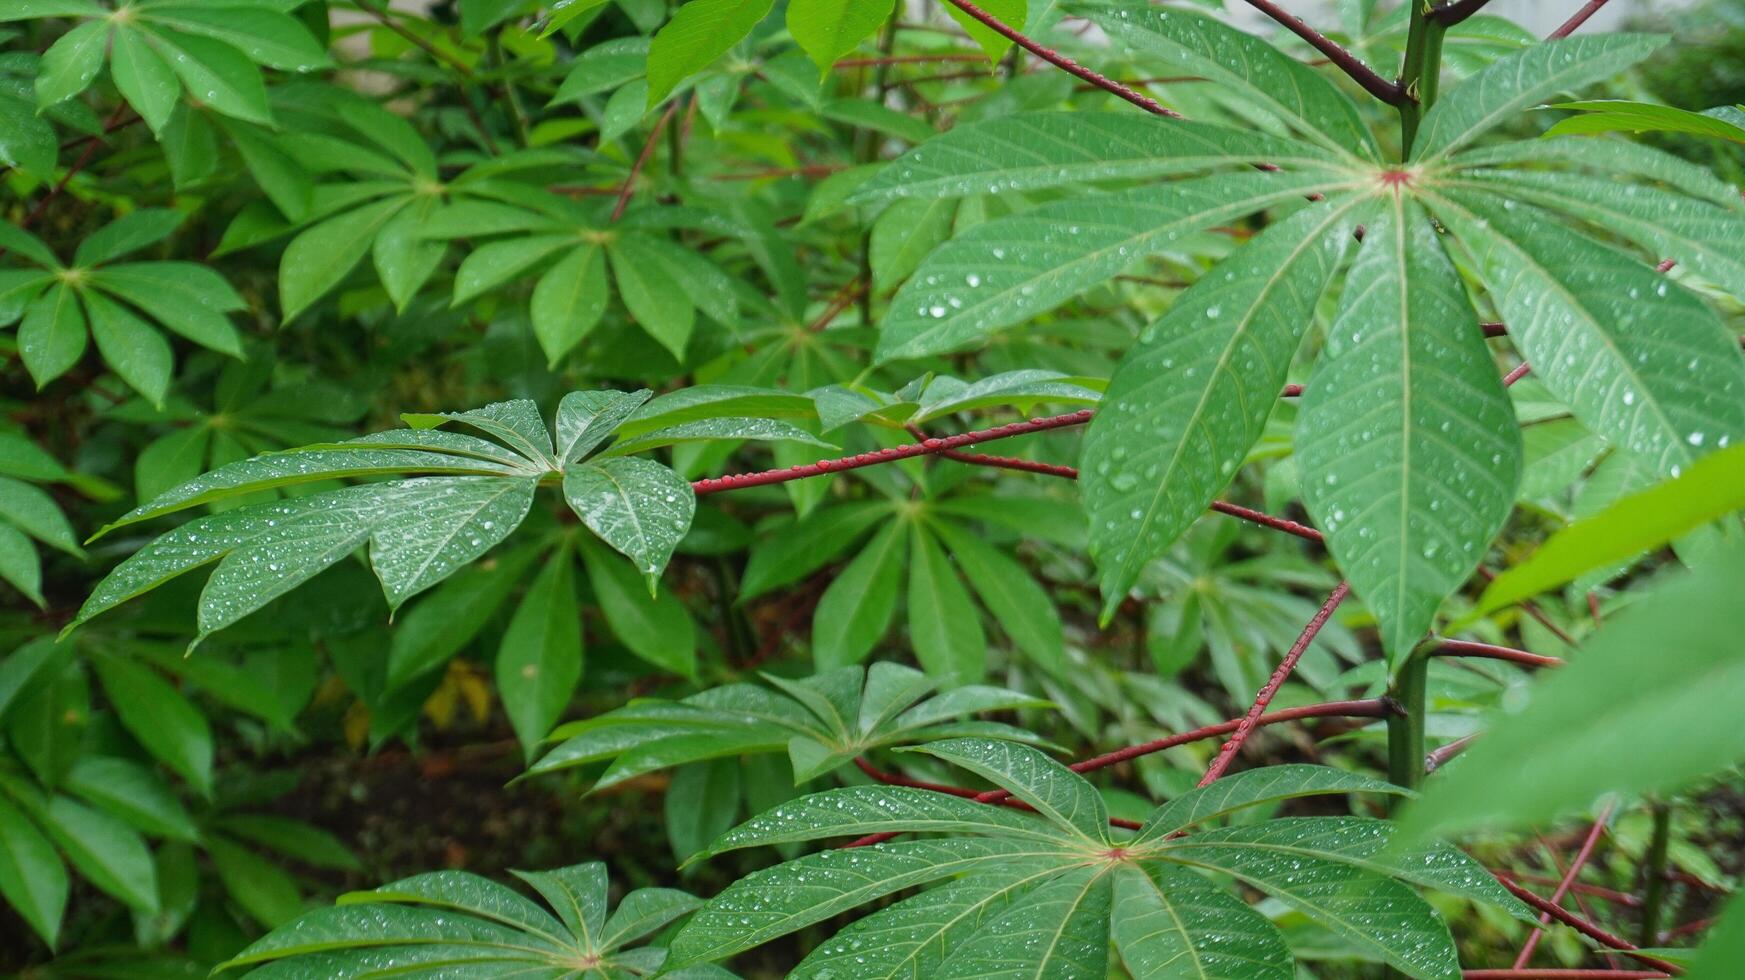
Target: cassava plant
1450 355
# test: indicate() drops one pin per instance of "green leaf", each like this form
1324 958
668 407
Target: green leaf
569 301
1640 361
440 524
1606 724
516 422
1254 787
131 348
1174 925
261 888
106 851
33 511
32 878
218 75
132 792
644 911
27 141
903 235
70 64
722 429
1407 430
52 336
447 620
321 256
1622 115
1713 488
1058 929
1243 65
637 506
700 803
281 178
1025 612
1004 271
1009 12
19 563
1725 948
855 611
944 627
603 67
163 721
698 33
1058 793
1038 150
585 419
188 298
829 29
656 300
1190 399
1607 156
464 892
799 549
127 234
268 37
145 79
657 628
494 263
540 660
1524 79
855 811
403 258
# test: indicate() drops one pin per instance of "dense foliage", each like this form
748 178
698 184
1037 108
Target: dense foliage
461 432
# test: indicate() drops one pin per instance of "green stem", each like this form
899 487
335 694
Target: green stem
1654 869
1406 728
1421 75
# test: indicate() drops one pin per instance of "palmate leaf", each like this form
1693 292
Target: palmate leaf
454 923
458 497
1004 271
1190 399
1607 156
1043 894
1641 361
1407 430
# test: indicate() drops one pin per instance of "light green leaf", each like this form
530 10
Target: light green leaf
321 256
145 79
1524 79
403 258
1009 12
1024 388
1190 399
1712 488
1608 723
1407 431
268 37
904 233
218 75
1639 360
602 68
1004 271
131 348
540 660
1242 64
1621 115
69 65
188 298
52 336
569 301
698 33
829 29
1058 793
657 301
639 507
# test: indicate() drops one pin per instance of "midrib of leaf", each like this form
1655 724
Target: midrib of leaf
974 908
1594 323
508 486
1044 961
1222 366
1189 948
1406 362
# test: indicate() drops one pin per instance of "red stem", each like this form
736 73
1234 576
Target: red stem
925 447
1345 61
1585 927
1581 858
1453 13
1580 17
1062 62
1563 975
642 159
907 59
1488 651
1606 894
1264 698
